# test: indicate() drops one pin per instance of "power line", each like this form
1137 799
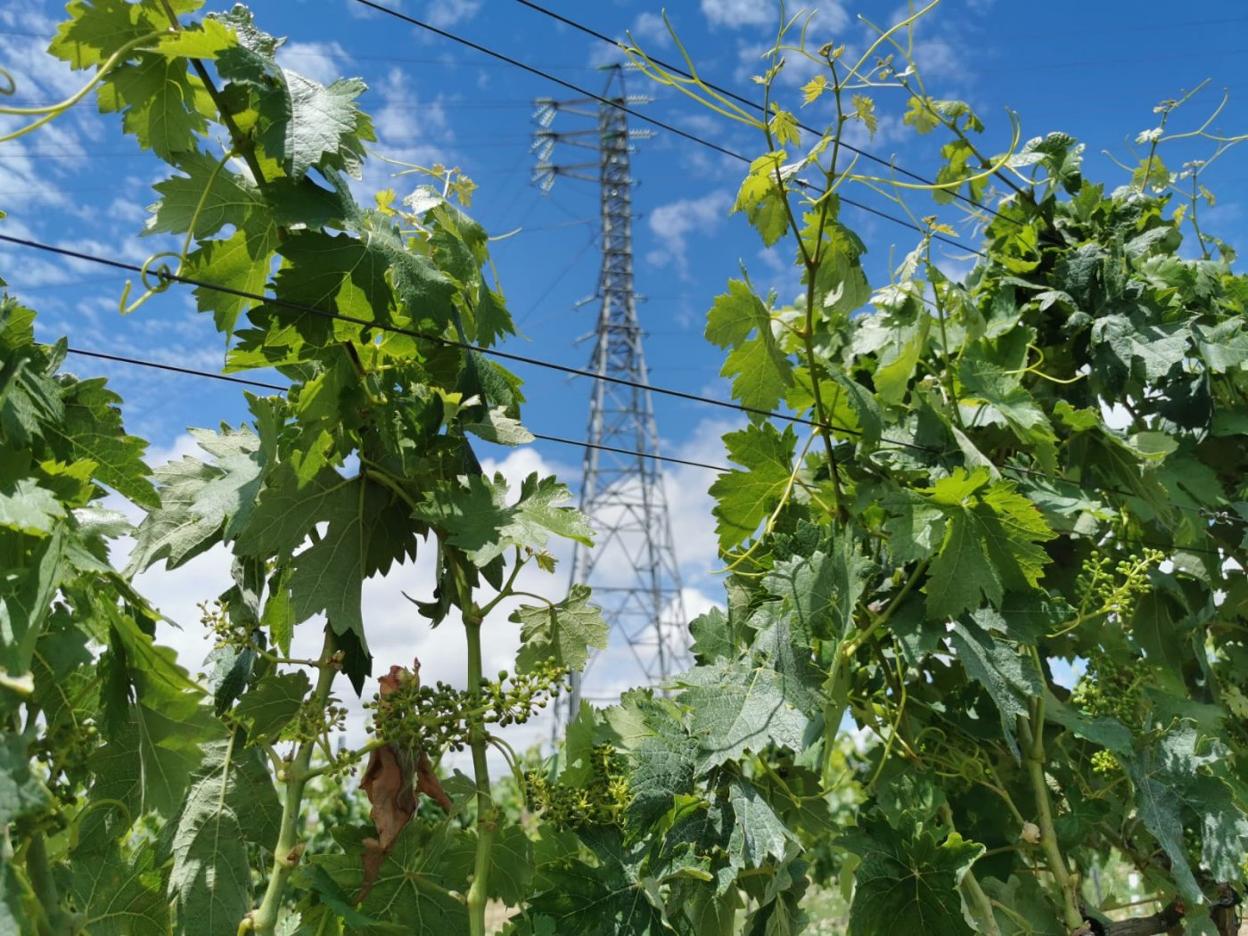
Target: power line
189 371
632 112
748 102
278 302
262 385
549 365
579 443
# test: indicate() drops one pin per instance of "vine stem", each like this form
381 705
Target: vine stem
57 920
849 649
487 821
811 262
287 851
983 903
1033 739
242 143
51 112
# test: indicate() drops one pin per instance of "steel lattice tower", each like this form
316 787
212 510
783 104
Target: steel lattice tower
632 567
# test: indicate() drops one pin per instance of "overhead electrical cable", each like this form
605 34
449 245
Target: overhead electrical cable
578 443
645 118
539 362
277 302
263 385
756 105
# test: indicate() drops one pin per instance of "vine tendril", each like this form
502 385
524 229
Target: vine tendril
50 112
163 273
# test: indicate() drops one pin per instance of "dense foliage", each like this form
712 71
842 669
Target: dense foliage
943 523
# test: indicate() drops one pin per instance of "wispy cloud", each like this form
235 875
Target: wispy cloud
674 222
321 61
829 15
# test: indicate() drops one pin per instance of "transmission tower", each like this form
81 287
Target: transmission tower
632 566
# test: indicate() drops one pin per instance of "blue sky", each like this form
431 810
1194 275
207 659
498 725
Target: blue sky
1092 69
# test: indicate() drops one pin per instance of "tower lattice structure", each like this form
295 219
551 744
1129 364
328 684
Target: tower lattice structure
632 566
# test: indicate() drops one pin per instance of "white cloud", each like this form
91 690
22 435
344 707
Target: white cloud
325 62
829 15
411 130
674 222
650 27
446 13
937 58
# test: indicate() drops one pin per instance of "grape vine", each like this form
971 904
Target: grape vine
1033 617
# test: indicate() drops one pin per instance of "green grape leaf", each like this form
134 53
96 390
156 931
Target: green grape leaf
28 508
661 756
1224 346
897 364
1033 913
205 40
92 430
762 199
915 527
201 502
313 125
240 262
329 575
560 633
736 707
162 104
963 574
476 517
760 370
93 31
230 801
156 739
497 427
511 863
1157 347
271 704
822 589
757 832
744 498
909 882
1011 679
990 544
335 273
420 854
119 895
189 198
983 383
611 897
1172 781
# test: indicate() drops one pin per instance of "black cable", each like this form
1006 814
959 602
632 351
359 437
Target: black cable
210 375
538 362
157 365
632 112
168 276
139 362
562 441
741 99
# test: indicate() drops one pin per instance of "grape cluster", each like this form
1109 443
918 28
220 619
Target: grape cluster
1104 762
1109 687
1112 588
601 801
216 620
436 718
312 720
66 748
